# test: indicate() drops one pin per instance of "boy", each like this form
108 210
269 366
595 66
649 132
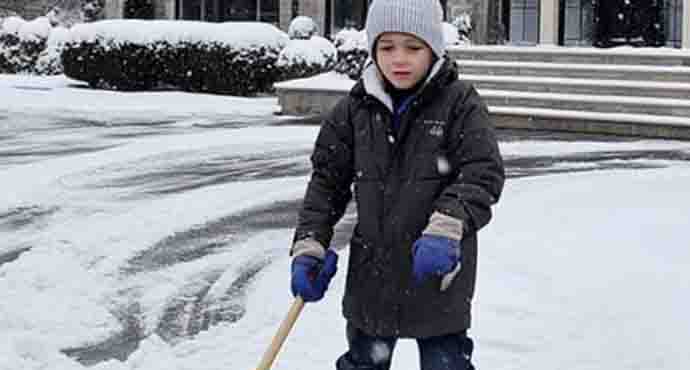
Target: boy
418 146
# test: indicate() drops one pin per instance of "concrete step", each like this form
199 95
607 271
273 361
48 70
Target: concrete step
569 70
675 90
659 126
588 102
586 55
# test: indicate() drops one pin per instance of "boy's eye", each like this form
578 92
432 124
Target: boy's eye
386 48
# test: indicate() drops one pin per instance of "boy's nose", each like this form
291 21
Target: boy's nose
399 58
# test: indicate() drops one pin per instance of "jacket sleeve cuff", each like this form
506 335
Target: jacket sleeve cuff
308 247
446 226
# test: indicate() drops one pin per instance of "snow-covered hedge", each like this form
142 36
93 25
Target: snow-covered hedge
21 43
306 58
236 58
352 52
302 27
451 35
48 62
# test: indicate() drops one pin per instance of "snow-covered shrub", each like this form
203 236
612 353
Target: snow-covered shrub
236 58
463 23
451 35
66 14
21 42
92 10
48 62
305 58
303 28
139 9
352 52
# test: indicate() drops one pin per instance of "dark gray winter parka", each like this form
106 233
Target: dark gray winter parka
398 184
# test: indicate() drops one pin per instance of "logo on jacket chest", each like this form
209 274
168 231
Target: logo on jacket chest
434 127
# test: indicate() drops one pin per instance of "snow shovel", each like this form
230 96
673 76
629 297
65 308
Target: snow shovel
281 335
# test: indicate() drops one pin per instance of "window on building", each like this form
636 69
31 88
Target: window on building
229 10
673 22
349 14
189 9
524 22
270 11
239 10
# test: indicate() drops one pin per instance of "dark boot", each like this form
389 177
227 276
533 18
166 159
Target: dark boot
366 352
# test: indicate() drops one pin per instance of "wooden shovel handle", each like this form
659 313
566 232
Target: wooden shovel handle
281 335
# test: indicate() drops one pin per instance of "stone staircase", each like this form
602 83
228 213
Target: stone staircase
621 91
641 92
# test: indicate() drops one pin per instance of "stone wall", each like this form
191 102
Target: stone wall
27 9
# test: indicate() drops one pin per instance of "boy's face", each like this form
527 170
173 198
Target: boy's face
403 58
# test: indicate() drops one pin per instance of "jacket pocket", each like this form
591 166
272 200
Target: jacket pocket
430 166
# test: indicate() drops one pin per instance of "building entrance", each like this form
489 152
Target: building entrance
628 22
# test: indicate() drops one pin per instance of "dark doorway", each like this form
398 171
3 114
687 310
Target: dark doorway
505 18
628 22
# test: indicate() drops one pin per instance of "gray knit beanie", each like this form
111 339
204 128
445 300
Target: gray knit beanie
422 18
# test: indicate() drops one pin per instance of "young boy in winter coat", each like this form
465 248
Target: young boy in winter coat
418 146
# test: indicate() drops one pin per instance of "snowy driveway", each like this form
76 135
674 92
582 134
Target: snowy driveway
153 228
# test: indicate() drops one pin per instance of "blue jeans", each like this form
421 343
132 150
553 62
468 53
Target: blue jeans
447 352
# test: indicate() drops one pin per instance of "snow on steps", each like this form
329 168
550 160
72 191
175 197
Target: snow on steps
588 102
575 70
624 91
676 90
557 54
626 124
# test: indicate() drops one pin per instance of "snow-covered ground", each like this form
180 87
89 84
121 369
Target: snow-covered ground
150 231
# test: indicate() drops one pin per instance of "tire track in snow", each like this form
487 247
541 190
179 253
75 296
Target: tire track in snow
119 346
594 161
189 311
192 309
212 237
21 217
13 254
172 173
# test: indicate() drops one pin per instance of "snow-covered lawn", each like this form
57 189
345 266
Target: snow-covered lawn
61 97
579 271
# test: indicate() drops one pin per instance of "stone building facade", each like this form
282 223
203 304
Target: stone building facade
520 22
27 9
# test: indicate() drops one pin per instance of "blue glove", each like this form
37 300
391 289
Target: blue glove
435 256
311 276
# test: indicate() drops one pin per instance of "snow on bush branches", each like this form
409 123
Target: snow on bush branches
352 52
21 43
236 58
307 53
302 27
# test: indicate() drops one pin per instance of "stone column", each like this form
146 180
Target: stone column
548 22
314 9
686 25
114 9
285 14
